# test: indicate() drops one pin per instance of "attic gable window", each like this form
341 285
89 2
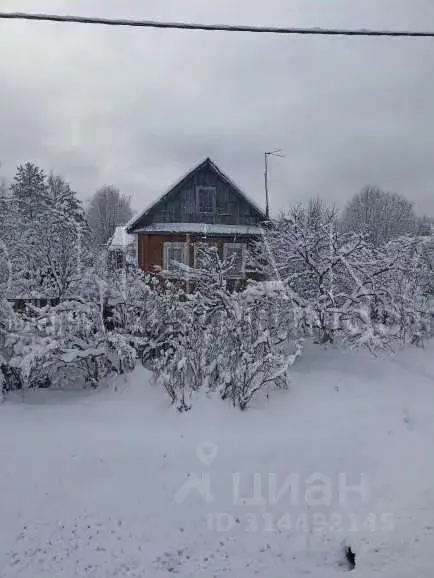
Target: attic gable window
206 200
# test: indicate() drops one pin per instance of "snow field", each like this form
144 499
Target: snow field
116 483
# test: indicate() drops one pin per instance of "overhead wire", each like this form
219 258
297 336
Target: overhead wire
282 30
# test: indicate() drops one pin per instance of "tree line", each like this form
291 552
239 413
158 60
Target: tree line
362 278
47 233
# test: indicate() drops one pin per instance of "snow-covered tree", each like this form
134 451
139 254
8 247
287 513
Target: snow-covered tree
381 215
107 209
424 226
30 191
50 247
10 234
337 282
6 235
30 201
4 202
64 240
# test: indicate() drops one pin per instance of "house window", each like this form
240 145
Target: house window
205 256
206 199
117 259
174 253
235 254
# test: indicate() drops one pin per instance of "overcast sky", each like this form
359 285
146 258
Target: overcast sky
137 108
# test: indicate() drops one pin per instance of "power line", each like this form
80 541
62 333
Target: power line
214 27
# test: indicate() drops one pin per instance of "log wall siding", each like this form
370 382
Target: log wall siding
151 247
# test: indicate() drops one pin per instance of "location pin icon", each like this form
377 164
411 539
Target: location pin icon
207 452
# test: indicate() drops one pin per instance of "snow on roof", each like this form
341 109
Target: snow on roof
203 228
137 218
121 239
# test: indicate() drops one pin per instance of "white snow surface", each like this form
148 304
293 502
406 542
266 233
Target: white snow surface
202 228
92 485
121 239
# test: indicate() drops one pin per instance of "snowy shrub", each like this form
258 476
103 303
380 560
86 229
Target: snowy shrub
156 319
151 311
66 346
3 369
179 366
6 323
236 344
342 288
406 305
256 355
180 344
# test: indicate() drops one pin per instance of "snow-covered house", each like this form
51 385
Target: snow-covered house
204 206
122 248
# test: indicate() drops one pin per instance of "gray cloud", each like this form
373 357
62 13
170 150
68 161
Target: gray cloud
137 108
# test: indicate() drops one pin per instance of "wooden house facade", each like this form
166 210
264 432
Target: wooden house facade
203 207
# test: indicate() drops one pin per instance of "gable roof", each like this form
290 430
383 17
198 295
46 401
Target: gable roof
207 163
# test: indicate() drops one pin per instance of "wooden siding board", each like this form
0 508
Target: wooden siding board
152 247
180 206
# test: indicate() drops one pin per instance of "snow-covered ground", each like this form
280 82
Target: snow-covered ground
115 483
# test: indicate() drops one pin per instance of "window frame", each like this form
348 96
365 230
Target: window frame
174 245
206 188
243 247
